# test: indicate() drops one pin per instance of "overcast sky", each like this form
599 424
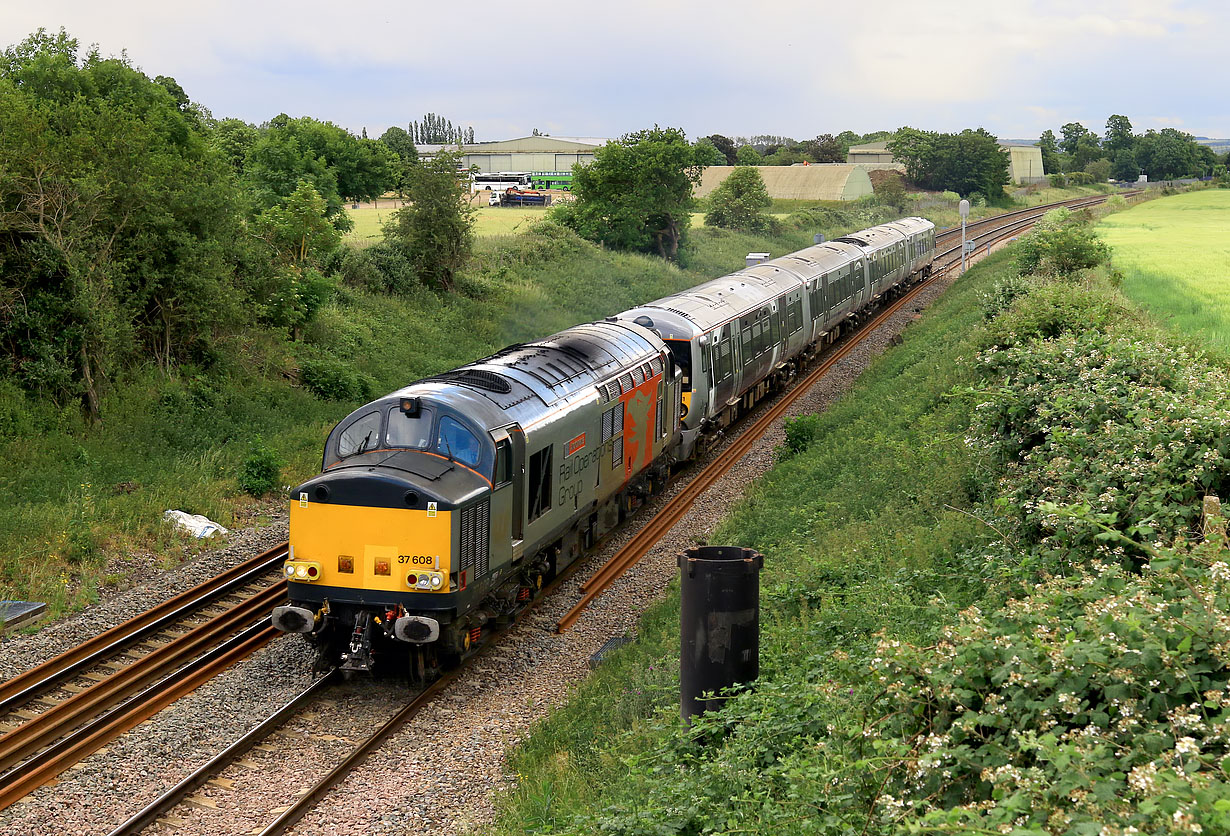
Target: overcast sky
791 67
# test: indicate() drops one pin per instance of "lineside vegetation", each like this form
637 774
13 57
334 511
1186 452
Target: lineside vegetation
989 603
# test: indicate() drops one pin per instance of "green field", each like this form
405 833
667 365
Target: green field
490 221
1174 254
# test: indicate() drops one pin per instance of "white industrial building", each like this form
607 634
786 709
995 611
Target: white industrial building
527 153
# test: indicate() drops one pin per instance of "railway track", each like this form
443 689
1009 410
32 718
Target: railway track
72 705
35 750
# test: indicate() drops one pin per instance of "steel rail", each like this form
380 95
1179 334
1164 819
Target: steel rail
23 687
303 805
202 774
49 763
60 719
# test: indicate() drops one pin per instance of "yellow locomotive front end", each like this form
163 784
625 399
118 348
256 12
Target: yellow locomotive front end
348 547
389 543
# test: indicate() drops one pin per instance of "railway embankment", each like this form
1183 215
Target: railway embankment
83 506
993 597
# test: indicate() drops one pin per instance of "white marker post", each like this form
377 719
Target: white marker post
963 208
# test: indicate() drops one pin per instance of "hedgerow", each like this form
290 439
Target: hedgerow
1085 691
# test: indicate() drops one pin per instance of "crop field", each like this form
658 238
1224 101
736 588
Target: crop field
491 221
1174 254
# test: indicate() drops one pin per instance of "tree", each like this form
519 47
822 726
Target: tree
724 145
1124 166
436 130
637 193
1072 133
970 162
406 154
825 148
436 230
234 138
1099 169
739 202
747 155
1086 151
783 156
1167 154
1050 152
1118 135
707 153
340 166
301 236
118 221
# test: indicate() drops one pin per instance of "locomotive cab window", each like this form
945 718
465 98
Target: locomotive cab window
457 442
405 431
359 437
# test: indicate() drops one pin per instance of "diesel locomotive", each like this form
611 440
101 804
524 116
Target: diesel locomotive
442 508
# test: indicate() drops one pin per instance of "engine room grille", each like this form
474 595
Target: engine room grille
617 453
477 378
476 538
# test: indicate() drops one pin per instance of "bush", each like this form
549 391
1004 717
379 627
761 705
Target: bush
1097 704
261 471
1060 249
333 380
801 431
380 268
739 202
1058 181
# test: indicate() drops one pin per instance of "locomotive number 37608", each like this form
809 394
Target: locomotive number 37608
416 559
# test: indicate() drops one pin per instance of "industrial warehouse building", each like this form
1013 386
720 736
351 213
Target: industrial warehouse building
1024 159
528 153
799 182
1024 162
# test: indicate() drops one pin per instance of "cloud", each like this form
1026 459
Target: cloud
797 67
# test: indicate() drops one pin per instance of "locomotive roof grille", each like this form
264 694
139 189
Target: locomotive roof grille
477 379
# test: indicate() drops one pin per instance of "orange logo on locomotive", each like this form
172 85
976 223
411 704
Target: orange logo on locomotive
576 444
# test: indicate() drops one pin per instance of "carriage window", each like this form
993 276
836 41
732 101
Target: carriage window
359 437
405 431
457 442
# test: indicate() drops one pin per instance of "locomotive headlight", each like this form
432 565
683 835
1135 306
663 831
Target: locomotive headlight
300 571
436 581
424 582
290 571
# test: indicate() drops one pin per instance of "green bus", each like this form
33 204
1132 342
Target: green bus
552 180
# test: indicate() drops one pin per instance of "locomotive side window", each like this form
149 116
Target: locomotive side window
457 442
404 431
503 462
359 437
539 493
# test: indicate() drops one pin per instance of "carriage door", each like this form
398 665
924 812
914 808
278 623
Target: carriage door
507 521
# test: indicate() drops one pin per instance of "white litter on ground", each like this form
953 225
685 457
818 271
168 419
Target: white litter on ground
194 524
